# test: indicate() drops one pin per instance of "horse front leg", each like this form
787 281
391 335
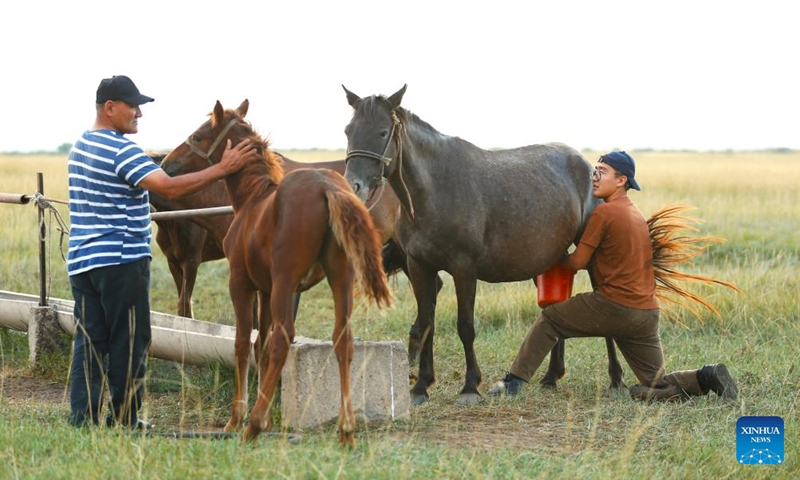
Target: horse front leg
190 252
556 369
264 319
414 337
394 259
465 295
242 297
423 282
189 268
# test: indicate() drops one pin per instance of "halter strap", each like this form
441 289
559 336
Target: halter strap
217 142
366 153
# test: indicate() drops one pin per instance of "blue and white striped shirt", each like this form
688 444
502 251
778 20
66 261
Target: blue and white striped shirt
109 214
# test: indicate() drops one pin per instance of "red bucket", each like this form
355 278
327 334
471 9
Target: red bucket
554 285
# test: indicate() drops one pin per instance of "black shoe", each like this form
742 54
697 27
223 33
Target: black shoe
140 425
82 421
510 385
716 378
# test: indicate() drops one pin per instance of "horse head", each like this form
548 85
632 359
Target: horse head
204 147
373 140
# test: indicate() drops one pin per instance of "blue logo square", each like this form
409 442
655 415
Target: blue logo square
759 440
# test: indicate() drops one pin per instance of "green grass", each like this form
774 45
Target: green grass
751 199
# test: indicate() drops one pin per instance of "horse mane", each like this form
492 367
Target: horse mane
670 250
268 168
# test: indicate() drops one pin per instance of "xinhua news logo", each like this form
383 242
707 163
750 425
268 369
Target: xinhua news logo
759 440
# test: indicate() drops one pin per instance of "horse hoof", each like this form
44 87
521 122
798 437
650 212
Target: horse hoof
250 434
347 439
469 399
619 384
548 384
619 393
232 426
418 398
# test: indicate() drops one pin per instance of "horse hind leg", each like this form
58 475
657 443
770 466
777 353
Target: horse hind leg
264 326
614 368
282 309
341 278
556 369
344 348
465 296
260 418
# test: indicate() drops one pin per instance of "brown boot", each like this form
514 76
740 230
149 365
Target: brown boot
715 378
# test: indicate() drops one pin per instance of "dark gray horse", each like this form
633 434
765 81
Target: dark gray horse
496 216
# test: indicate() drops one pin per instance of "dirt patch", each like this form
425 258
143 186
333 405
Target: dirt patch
499 426
17 390
492 428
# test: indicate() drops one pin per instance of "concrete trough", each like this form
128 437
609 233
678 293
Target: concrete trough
310 395
174 338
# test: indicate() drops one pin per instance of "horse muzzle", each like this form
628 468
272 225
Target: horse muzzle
363 188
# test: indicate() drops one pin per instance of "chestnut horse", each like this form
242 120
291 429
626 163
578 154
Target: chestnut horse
496 216
288 233
187 243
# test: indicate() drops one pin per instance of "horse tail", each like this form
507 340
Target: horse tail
353 229
672 248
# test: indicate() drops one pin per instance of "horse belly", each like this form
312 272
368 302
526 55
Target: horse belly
524 253
312 277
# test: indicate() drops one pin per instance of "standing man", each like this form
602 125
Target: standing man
616 247
109 252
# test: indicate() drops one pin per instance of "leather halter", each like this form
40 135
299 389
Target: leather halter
217 142
386 161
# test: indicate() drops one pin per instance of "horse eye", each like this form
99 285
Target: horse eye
196 138
384 133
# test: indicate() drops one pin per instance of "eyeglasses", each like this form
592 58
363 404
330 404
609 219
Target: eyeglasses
598 174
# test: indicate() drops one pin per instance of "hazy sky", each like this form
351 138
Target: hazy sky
593 74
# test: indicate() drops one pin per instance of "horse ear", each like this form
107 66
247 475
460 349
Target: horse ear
219 113
352 98
397 97
242 110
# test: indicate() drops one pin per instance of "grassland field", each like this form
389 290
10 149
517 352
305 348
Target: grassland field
752 199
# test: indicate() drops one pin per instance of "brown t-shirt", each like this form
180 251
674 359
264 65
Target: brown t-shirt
622 264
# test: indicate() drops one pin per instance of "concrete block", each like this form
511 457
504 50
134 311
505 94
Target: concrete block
310 394
45 334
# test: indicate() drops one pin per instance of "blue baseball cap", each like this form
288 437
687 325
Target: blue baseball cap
623 164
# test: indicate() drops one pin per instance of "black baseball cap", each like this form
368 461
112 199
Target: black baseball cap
120 87
623 164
